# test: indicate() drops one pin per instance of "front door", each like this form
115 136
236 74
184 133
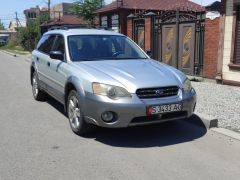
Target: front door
139 32
169 45
186 48
55 71
178 47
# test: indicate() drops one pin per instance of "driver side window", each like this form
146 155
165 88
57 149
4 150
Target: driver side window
59 45
45 44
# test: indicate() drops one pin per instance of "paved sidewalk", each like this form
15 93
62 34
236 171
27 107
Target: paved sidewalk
220 101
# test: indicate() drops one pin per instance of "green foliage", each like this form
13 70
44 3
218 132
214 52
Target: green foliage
86 9
14 47
11 44
28 36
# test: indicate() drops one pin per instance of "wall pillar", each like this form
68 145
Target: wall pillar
148 33
130 28
211 45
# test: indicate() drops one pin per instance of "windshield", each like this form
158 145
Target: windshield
103 47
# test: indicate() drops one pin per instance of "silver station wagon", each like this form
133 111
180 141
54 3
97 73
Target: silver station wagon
104 79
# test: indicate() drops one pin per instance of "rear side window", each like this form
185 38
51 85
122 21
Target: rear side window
46 43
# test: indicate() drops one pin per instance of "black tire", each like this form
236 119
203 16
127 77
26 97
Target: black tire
75 115
38 94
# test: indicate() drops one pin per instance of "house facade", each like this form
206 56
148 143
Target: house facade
61 15
229 52
33 13
115 14
60 10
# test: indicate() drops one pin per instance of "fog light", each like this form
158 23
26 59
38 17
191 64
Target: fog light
108 116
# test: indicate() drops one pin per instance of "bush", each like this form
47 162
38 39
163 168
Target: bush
29 36
11 44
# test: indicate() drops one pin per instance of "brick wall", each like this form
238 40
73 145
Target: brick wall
212 37
129 28
148 33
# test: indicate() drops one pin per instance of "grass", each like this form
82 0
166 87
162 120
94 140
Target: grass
15 48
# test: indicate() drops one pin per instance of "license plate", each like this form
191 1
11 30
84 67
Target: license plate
164 109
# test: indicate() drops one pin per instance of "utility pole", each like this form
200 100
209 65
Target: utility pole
49 8
16 18
1 25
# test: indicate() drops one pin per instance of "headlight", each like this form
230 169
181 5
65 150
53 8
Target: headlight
187 86
113 92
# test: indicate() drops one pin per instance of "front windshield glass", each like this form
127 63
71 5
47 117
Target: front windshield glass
103 47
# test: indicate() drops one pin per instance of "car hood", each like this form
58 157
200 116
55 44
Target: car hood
134 74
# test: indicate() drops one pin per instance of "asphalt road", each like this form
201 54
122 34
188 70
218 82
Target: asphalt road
36 142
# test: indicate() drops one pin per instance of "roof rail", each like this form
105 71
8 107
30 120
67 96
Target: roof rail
67 27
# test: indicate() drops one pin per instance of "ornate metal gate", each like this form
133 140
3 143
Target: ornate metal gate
178 40
139 32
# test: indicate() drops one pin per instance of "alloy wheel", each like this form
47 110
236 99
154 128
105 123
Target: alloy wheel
74 112
35 85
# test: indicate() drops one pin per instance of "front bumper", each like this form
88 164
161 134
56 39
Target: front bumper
133 111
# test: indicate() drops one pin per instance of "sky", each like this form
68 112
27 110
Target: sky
9 7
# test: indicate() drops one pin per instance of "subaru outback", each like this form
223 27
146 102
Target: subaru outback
103 78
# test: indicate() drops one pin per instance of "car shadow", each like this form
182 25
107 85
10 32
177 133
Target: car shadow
157 135
58 106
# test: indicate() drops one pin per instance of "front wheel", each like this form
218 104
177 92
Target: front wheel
38 94
75 115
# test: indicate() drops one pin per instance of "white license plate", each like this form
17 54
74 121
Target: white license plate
164 109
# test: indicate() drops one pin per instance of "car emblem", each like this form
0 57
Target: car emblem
159 92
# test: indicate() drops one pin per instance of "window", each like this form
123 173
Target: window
59 44
115 23
45 44
104 21
236 59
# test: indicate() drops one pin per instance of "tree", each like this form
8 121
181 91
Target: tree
86 9
1 26
28 36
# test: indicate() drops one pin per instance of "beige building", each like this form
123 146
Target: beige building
33 13
60 10
13 25
229 54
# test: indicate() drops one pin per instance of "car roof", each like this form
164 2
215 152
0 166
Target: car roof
69 32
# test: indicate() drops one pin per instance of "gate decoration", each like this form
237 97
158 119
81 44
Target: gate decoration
139 32
178 40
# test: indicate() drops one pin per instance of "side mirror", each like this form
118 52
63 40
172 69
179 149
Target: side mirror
58 55
149 53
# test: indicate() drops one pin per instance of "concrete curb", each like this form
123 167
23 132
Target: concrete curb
204 121
227 132
9 53
208 121
195 78
211 123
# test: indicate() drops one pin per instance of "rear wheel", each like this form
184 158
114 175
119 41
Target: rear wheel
38 94
75 115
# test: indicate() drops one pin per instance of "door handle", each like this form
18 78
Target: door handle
48 64
37 59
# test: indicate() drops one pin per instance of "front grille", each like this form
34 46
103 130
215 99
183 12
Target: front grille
157 92
162 117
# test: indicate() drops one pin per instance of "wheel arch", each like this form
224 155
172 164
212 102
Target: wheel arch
73 83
